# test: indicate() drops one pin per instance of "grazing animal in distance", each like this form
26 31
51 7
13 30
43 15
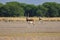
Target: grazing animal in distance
40 19
30 20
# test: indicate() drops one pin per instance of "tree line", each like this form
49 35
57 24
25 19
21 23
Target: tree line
16 9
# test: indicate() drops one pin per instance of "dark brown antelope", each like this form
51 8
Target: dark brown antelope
40 19
30 20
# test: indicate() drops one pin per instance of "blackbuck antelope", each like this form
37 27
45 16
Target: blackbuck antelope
30 20
40 19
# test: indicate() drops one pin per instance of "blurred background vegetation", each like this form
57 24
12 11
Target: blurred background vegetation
16 9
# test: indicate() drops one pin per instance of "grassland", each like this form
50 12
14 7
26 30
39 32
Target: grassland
45 30
24 18
32 36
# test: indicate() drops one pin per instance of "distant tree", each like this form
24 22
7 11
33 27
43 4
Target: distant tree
30 10
1 5
16 9
12 9
58 7
0 8
41 11
52 9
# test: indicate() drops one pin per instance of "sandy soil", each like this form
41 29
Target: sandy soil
24 27
12 28
31 38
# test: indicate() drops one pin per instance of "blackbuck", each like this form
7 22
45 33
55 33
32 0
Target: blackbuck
30 20
40 19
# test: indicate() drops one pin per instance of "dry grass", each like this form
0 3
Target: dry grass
32 36
15 18
29 36
24 18
51 19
